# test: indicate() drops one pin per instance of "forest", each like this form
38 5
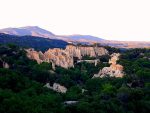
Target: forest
22 91
38 43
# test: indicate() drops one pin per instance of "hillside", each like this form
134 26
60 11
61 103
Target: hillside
29 87
38 43
28 30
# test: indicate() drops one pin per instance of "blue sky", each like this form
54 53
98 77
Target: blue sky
108 19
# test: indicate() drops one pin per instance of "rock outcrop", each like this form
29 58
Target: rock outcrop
4 64
80 51
59 57
32 54
114 69
70 102
65 58
56 87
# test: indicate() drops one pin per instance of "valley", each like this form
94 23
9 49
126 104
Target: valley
74 56
67 80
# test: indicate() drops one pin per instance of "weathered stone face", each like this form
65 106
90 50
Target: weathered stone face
64 58
79 51
4 64
114 69
114 58
56 87
59 57
32 54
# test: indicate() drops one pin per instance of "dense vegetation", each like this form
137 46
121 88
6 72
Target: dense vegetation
37 43
22 91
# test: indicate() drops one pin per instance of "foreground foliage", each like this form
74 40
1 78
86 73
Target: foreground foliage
22 91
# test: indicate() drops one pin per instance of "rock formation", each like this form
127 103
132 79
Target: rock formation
114 69
80 51
32 54
56 87
65 58
70 102
59 57
4 64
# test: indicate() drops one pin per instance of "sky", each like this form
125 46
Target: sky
127 20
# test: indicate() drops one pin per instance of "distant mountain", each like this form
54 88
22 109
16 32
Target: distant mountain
39 32
29 30
84 38
37 43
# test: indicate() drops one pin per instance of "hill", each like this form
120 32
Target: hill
38 43
84 38
29 30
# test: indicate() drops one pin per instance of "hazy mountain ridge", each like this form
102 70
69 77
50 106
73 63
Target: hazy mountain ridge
29 30
84 39
37 31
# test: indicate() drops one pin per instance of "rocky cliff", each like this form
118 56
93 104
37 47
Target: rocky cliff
65 57
114 69
80 51
59 57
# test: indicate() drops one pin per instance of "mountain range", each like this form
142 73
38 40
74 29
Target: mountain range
36 31
39 32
